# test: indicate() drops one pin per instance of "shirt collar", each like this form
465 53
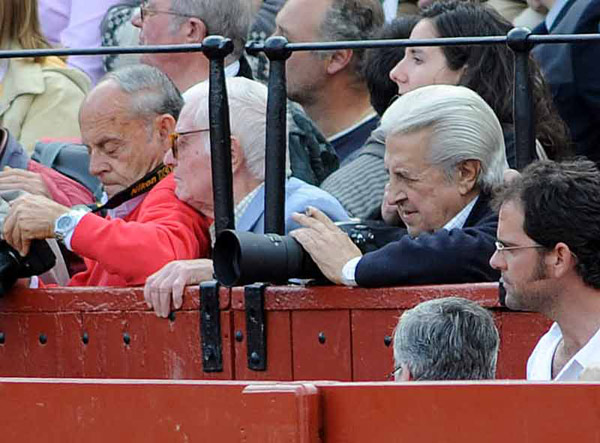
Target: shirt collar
238 211
458 221
554 12
231 70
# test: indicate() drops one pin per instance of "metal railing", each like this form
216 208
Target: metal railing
278 50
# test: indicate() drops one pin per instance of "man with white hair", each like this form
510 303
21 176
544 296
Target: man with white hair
190 157
449 338
444 153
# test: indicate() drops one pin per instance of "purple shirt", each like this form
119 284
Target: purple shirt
76 24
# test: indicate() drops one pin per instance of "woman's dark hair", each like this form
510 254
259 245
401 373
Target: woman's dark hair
380 61
490 68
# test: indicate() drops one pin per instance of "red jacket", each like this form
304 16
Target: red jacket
124 252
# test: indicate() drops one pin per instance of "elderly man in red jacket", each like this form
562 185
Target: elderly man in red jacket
126 122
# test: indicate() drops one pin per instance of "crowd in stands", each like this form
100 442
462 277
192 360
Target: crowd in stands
113 156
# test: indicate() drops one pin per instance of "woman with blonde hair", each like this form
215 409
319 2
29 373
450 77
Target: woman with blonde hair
39 97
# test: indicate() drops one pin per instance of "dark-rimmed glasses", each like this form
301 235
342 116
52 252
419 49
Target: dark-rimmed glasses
146 11
392 375
175 136
501 247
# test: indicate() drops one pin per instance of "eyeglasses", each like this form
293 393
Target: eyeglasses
175 136
501 247
392 375
146 12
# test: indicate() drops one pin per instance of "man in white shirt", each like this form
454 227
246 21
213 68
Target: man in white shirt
548 251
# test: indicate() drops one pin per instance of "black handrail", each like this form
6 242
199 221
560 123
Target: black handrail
278 50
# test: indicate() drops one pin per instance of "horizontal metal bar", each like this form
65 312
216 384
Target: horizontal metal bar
24 53
254 47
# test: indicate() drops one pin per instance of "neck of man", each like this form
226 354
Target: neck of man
243 184
578 314
340 106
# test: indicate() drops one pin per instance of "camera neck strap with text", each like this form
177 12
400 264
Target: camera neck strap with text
141 186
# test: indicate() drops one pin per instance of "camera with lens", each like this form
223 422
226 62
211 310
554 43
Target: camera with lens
241 258
12 266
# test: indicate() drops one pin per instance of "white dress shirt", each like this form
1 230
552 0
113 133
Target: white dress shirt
539 365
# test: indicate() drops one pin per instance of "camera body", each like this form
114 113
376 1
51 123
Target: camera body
241 258
12 266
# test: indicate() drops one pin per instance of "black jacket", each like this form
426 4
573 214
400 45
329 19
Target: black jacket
455 256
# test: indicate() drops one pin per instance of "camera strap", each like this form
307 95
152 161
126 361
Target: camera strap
143 185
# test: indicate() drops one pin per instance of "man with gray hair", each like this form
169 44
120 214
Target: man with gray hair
190 157
126 122
168 22
446 339
444 150
330 85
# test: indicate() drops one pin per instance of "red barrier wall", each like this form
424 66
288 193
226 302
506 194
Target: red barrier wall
192 411
313 333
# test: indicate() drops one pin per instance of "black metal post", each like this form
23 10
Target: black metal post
523 109
276 139
216 48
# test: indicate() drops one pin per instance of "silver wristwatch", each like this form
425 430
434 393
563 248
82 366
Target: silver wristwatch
66 223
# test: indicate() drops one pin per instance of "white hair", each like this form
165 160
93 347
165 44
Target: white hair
463 127
247 119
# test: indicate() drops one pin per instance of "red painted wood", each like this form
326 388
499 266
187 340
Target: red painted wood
281 413
100 411
22 353
313 360
279 348
353 320
188 411
496 412
92 299
340 297
520 331
371 358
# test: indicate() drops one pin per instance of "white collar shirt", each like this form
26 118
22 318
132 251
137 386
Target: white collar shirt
231 70
539 365
459 220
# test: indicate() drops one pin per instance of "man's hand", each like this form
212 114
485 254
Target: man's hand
170 281
329 247
32 182
31 217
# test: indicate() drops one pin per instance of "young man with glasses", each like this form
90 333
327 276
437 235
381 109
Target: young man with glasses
548 253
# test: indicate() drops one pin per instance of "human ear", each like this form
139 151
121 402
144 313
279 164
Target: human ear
196 30
339 60
237 154
561 259
165 126
468 172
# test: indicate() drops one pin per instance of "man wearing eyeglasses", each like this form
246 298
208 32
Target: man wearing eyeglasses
125 122
191 158
448 338
548 253
444 151
169 22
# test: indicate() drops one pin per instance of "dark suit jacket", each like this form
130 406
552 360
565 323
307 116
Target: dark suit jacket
456 256
573 72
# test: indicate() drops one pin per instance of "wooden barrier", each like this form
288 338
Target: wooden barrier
331 333
189 411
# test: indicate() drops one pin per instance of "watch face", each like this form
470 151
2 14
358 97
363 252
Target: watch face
64 222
